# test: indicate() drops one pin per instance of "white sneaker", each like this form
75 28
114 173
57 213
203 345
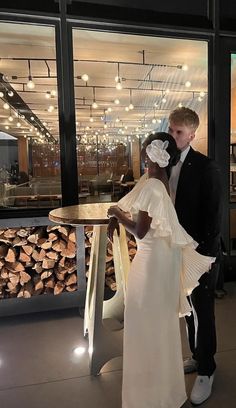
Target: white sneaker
190 365
202 389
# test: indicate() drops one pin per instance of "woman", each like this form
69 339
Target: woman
165 269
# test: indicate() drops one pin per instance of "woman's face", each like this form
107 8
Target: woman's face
152 167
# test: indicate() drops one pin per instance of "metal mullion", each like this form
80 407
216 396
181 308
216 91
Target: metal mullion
69 176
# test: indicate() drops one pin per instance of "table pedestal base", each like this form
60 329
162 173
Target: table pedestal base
103 320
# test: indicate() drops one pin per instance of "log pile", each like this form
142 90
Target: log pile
110 280
42 260
37 260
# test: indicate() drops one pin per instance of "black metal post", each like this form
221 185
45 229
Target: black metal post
66 102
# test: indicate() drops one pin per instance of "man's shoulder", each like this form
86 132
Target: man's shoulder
201 158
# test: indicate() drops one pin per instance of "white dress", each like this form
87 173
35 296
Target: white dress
165 269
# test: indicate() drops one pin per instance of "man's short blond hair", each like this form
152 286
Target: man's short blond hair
185 116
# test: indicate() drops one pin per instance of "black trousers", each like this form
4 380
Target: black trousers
201 324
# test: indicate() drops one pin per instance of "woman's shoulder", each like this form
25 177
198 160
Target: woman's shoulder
155 183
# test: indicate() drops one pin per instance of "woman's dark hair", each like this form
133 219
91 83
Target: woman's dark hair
172 148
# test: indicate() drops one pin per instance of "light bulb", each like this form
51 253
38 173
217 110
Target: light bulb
44 123
6 106
180 105
47 95
163 100
7 127
185 67
10 93
159 121
116 101
131 106
30 83
119 85
18 124
188 84
94 105
127 108
91 119
53 92
202 94
31 118
50 108
117 119
1 94
154 120
10 118
109 109
199 99
85 77
31 130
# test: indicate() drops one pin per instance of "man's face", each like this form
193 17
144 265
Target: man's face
182 134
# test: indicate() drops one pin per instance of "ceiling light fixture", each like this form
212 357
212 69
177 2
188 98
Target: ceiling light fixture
131 106
30 83
85 77
119 85
118 79
10 93
10 118
6 105
185 67
94 104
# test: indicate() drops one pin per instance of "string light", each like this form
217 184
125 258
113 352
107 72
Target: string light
119 85
6 105
185 67
188 84
85 77
116 101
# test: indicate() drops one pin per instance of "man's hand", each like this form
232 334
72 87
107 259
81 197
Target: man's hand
112 226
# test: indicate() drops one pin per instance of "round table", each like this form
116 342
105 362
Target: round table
103 320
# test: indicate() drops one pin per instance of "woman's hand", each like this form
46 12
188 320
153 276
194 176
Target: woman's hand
112 226
114 211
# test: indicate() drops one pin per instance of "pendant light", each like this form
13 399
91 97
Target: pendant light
30 83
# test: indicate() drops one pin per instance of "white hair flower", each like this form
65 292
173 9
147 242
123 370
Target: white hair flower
157 153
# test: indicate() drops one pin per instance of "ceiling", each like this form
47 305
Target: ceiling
151 72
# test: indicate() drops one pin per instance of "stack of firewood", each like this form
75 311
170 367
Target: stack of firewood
110 279
37 260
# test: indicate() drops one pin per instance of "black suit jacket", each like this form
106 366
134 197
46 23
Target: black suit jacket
198 201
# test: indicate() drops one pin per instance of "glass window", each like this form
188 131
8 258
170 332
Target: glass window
125 88
29 159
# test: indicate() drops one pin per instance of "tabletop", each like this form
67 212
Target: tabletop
83 214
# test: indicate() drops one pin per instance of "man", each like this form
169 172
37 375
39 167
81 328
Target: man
195 189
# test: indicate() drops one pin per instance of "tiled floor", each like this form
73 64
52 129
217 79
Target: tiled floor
39 369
